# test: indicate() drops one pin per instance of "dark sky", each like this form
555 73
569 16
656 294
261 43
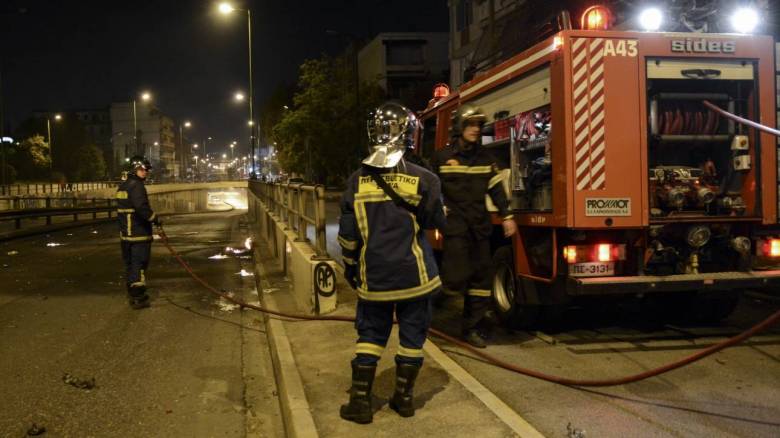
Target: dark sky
62 54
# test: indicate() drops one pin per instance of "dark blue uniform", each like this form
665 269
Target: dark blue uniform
467 177
135 218
386 252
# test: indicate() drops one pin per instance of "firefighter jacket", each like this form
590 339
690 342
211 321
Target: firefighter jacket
466 177
133 211
386 243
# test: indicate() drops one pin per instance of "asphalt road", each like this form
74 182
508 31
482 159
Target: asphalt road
734 393
188 366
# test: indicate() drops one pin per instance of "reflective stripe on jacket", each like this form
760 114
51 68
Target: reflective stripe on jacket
134 214
466 177
387 242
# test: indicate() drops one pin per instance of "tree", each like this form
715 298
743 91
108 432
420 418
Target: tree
31 158
91 165
322 135
68 137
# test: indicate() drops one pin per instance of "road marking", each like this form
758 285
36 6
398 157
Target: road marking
511 418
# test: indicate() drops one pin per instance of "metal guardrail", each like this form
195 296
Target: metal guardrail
76 208
37 189
296 205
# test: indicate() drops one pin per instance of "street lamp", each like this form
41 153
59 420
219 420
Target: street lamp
57 118
226 8
186 124
239 97
232 145
145 97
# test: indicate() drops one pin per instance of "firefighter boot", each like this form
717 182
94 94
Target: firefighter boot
137 297
402 400
359 407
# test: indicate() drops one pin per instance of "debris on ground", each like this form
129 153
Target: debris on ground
76 382
52 244
218 257
573 432
244 273
227 306
36 430
12 253
270 290
94 231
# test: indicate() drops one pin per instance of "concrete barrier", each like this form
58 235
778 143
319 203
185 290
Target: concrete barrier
313 277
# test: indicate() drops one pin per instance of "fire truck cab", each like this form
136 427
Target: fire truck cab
622 181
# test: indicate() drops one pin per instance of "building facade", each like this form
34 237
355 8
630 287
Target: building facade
406 64
141 129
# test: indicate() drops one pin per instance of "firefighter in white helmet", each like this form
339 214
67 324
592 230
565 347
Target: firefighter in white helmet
385 209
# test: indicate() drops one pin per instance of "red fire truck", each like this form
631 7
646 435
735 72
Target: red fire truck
622 180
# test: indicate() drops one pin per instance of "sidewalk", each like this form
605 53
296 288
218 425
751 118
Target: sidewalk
322 351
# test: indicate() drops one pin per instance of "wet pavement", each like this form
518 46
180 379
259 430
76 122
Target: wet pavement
188 366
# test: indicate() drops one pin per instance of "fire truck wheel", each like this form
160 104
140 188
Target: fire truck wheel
508 296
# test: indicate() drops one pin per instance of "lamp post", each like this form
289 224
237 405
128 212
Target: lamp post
57 118
145 97
186 124
226 8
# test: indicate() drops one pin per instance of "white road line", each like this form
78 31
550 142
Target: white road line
491 401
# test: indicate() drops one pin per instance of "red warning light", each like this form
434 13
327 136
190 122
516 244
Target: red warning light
596 18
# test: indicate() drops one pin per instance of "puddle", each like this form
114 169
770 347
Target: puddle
244 273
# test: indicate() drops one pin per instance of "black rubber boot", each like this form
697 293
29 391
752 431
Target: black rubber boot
359 407
137 297
403 400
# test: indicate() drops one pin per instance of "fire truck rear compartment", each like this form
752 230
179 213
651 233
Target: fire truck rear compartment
699 162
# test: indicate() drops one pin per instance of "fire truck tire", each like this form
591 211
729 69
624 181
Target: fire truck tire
509 297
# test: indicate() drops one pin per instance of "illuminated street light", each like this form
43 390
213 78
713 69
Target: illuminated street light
146 96
58 117
226 8
187 124
250 123
239 97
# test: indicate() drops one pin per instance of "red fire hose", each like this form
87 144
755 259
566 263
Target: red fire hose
767 323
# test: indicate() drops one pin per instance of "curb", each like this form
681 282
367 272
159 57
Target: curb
298 419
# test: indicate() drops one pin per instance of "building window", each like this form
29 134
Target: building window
464 15
405 53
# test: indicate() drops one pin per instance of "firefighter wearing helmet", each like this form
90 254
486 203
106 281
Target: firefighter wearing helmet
135 218
386 208
468 173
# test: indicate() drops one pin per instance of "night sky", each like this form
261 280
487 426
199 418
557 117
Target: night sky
66 54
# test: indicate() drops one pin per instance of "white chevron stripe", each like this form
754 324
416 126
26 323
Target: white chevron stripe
598 183
596 57
597 87
596 120
578 42
597 167
580 137
580 90
580 153
578 74
595 43
580 103
584 182
598 71
597 104
582 119
598 135
583 167
577 62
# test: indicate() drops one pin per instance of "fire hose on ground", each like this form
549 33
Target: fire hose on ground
765 324
752 331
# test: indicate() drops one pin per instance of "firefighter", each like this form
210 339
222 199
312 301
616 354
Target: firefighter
135 230
387 205
468 173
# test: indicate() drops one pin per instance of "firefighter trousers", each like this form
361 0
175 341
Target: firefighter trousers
374 321
136 258
467 268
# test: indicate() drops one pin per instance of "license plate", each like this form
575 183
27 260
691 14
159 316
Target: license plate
598 269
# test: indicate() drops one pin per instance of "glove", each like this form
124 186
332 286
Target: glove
350 274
